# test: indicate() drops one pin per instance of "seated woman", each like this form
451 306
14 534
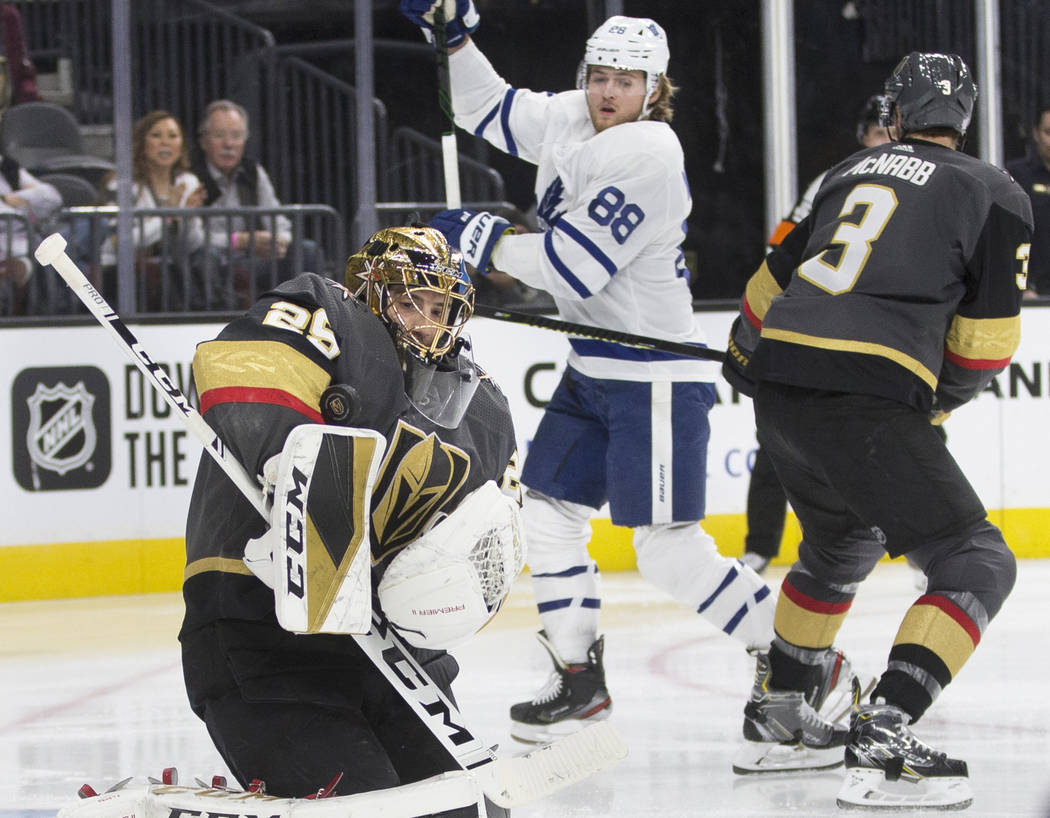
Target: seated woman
163 244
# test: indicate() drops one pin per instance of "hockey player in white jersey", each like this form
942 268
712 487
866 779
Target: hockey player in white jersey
624 426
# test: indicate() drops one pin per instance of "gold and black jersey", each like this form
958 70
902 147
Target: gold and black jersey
904 282
263 375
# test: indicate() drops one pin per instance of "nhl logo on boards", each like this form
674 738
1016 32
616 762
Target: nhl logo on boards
60 422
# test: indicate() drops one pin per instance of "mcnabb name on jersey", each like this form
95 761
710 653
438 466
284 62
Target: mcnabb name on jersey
904 167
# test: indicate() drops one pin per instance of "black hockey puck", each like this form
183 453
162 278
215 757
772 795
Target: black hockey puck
340 404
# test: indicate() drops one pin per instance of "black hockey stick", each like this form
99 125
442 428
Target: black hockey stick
599 334
507 782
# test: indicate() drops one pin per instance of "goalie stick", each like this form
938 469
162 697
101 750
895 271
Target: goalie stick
507 782
600 334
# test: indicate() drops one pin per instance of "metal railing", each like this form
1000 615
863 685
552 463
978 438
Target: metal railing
311 135
17 235
415 172
187 53
192 266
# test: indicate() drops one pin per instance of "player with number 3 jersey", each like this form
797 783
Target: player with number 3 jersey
894 302
624 427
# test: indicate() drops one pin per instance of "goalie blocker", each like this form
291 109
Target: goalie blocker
316 554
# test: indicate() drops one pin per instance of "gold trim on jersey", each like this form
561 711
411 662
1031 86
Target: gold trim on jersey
225 565
862 347
259 364
990 339
929 626
761 289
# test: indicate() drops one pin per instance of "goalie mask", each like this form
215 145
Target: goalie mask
628 44
930 91
418 286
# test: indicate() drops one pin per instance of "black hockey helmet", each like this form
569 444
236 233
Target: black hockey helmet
930 91
870 115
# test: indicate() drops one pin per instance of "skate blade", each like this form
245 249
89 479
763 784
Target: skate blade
761 757
546 733
866 788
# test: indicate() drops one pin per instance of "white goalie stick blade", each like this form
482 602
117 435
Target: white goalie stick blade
766 757
511 782
865 788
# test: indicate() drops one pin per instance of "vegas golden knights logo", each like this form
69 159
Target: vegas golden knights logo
419 477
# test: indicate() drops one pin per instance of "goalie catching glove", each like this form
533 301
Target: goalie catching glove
316 555
460 16
444 587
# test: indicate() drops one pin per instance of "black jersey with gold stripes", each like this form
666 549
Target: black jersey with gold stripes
904 282
263 375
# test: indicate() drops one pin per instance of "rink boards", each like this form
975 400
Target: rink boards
96 473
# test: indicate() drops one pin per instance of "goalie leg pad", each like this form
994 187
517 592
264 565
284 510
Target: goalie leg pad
449 791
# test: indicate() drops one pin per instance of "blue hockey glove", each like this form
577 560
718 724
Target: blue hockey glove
461 18
473 234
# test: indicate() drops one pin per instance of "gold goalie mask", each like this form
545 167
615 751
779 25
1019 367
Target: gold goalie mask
418 286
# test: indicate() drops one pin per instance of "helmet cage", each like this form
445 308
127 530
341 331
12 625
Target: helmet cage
930 91
398 272
628 44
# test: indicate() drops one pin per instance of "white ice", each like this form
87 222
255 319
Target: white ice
91 692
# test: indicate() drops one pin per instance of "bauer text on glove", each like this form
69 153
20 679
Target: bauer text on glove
474 233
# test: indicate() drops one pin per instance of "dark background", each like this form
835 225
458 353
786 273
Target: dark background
844 50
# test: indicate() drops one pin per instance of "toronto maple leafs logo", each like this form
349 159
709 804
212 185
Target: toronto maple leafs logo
547 210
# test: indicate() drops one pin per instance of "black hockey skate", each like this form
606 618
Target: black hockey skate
783 729
887 767
573 697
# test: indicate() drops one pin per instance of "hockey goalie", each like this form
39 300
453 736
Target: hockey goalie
388 458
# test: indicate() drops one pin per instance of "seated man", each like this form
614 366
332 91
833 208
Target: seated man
263 246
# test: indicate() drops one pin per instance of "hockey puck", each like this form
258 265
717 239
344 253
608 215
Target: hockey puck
340 404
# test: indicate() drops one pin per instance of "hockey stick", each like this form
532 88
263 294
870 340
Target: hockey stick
449 154
507 782
599 334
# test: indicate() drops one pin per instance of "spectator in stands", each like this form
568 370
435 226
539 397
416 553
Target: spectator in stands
1032 172
232 180
23 198
161 179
